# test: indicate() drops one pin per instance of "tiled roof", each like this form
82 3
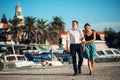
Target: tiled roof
65 32
100 32
6 25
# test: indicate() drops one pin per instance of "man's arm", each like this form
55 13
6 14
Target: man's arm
83 40
68 45
68 42
82 36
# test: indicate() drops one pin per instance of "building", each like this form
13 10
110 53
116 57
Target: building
5 27
4 32
102 35
18 14
2 25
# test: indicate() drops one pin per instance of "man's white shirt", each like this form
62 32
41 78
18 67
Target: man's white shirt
74 36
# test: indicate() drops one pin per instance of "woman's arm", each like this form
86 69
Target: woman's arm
93 38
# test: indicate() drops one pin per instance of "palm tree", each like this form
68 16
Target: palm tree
59 25
53 35
30 28
42 25
15 29
46 31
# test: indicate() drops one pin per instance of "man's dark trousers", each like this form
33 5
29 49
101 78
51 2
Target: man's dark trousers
73 49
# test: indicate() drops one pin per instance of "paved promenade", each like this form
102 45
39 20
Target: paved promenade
103 71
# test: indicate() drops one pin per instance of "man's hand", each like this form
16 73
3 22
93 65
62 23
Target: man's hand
67 45
68 49
83 43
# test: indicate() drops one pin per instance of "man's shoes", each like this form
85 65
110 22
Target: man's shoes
79 72
75 74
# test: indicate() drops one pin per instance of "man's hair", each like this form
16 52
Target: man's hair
75 21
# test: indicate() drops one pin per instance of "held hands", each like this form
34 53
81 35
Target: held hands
83 41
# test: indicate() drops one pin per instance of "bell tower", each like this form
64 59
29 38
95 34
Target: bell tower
18 14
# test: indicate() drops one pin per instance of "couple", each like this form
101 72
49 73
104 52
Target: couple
81 42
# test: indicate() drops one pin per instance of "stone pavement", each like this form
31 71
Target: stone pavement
103 71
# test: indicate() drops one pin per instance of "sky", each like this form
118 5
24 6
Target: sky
100 14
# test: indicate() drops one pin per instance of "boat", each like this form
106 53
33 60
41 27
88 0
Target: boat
11 58
106 54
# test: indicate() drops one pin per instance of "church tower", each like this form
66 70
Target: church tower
18 14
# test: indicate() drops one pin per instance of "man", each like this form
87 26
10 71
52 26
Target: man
73 44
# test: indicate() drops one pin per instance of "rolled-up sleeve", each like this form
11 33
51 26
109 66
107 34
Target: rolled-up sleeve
82 35
68 36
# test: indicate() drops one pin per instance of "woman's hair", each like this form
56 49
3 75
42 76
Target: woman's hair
87 24
75 21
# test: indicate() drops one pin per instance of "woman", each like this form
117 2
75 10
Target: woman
90 49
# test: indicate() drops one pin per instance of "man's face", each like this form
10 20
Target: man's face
74 25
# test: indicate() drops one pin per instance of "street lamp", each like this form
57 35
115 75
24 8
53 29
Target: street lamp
36 35
13 46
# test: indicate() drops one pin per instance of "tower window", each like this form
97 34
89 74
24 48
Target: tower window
19 13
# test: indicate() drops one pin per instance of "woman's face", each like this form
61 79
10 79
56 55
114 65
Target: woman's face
87 28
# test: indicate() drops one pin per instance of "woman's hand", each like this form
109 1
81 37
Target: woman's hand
84 42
